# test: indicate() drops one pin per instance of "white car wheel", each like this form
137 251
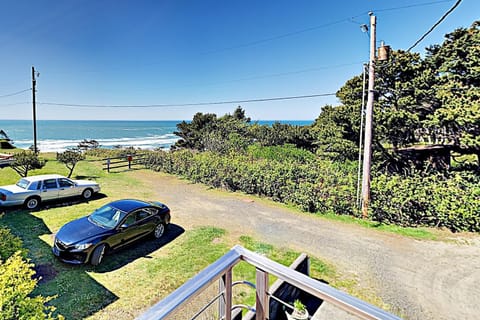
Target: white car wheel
87 194
32 203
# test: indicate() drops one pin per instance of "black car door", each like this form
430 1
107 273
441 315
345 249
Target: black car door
135 225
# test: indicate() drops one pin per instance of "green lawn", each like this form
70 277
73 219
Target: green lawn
135 278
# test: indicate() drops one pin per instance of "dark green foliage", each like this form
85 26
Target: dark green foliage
287 152
17 283
323 186
433 200
233 133
430 101
70 158
113 153
191 134
310 184
279 134
334 133
206 132
26 161
9 244
456 118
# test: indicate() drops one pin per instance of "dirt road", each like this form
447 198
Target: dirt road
418 279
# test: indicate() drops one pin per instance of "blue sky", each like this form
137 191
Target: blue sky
106 53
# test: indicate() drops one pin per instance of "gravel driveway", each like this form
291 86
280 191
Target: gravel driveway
418 279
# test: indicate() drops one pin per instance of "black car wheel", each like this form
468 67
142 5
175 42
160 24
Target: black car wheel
159 230
32 203
87 194
97 255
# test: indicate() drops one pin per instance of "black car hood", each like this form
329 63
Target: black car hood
78 230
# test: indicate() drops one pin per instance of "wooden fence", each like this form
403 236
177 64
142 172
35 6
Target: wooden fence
134 161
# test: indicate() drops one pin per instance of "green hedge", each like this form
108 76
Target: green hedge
313 185
452 202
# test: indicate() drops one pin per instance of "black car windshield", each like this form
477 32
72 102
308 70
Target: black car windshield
22 183
107 216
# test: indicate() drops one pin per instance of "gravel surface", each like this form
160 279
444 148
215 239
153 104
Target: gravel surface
418 279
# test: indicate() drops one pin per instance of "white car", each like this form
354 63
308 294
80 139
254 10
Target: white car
31 191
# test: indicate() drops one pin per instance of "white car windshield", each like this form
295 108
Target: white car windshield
107 216
22 183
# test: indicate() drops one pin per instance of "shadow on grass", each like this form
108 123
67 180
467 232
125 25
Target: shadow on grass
77 294
139 249
86 177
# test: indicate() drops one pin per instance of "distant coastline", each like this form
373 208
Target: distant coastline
59 135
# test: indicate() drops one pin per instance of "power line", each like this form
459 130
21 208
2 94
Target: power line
282 74
14 104
15 93
188 104
412 6
300 31
435 25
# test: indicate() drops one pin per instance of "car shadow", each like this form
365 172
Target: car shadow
142 248
71 201
71 286
87 177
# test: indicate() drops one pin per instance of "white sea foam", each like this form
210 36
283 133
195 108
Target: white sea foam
146 143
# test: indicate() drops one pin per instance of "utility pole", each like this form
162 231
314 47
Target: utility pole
367 152
34 82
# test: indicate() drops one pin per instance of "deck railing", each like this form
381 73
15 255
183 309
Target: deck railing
221 270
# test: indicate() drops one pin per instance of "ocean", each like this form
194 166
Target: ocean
60 135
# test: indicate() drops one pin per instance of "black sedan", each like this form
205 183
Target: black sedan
110 227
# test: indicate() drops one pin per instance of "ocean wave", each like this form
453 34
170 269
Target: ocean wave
60 145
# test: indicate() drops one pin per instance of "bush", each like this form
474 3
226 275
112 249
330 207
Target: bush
70 158
287 152
16 286
305 182
17 283
26 161
434 200
9 244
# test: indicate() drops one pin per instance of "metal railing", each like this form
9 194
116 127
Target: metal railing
222 270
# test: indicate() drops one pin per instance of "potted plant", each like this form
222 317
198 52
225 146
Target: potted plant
299 312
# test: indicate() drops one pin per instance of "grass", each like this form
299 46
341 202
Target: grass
419 233
131 280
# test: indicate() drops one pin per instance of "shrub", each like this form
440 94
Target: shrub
307 183
70 158
9 244
26 161
435 200
287 152
16 286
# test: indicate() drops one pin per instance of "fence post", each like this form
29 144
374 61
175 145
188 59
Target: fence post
129 158
108 165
